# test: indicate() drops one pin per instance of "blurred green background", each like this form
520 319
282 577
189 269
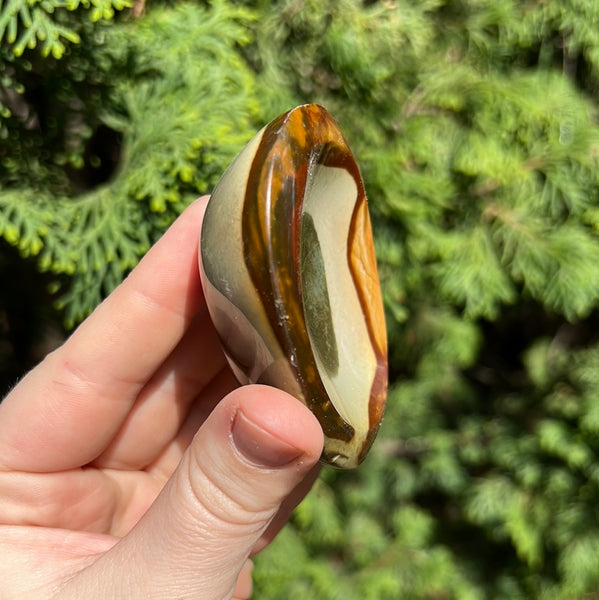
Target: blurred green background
475 125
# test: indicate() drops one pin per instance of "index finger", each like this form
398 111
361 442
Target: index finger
65 411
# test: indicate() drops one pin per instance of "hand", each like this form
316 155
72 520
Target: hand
131 465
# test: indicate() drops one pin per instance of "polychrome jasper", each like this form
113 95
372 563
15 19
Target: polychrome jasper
290 278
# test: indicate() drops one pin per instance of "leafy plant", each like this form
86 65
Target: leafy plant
477 135
132 133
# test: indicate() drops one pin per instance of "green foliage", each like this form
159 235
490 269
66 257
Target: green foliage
178 118
477 136
475 124
29 23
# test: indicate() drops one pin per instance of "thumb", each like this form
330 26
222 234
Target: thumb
254 449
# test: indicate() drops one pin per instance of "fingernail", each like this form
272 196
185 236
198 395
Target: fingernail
260 446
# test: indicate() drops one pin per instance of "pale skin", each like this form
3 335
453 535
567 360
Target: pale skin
132 465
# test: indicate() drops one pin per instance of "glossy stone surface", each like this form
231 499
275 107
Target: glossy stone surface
290 278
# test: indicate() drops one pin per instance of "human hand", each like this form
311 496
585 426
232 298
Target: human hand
106 489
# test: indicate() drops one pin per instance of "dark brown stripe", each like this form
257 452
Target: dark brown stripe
271 234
